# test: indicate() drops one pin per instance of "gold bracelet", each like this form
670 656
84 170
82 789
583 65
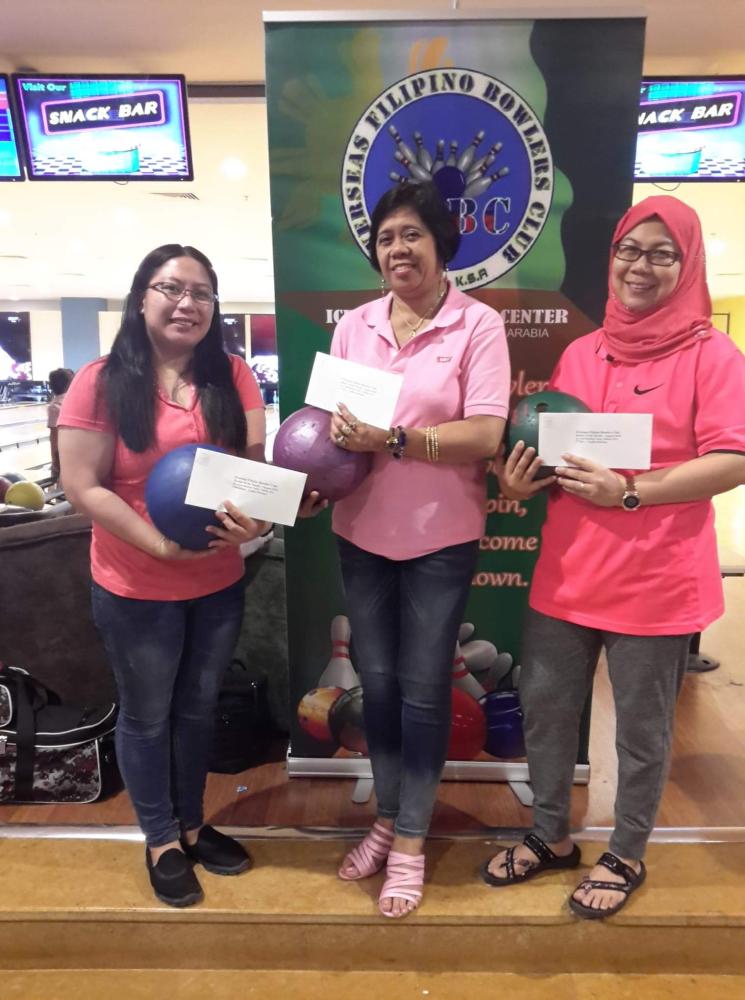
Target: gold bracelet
432 443
428 442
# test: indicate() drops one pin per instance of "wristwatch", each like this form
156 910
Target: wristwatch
630 499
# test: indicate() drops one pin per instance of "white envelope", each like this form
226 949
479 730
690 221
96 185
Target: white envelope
616 440
371 394
265 492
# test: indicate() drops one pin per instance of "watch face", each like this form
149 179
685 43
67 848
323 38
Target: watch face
630 501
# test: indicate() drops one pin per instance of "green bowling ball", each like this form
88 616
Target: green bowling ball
523 425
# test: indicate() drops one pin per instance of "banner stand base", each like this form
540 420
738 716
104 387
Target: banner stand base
516 774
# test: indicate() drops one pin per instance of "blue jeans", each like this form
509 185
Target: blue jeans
405 617
168 659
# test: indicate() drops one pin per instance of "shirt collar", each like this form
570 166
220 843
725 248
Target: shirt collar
376 314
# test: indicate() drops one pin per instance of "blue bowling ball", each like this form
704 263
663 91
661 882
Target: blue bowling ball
165 496
504 724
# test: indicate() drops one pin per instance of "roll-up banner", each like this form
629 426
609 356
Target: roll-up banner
528 126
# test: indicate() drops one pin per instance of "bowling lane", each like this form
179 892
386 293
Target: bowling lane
24 440
730 515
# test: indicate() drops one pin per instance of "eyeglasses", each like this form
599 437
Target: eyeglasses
174 291
659 258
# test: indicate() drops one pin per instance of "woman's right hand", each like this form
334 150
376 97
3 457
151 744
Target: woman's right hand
517 473
172 551
312 505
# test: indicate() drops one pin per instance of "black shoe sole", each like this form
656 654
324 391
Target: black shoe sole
181 901
219 870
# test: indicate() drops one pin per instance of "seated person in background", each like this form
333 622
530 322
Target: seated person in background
59 380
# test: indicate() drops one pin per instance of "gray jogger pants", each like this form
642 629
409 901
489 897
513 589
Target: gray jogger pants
646 672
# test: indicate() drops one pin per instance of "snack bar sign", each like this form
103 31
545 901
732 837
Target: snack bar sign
690 112
112 111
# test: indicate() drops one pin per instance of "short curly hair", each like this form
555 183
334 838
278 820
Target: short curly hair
425 199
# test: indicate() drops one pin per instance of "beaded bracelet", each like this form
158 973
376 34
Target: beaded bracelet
396 442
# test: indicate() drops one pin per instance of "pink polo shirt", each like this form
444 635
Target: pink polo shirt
655 570
456 367
116 565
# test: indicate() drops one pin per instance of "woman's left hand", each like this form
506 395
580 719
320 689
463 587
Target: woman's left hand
591 481
236 529
351 434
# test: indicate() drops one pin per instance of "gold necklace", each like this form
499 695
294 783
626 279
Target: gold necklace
414 328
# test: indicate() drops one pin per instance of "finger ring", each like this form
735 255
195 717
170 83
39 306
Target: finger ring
347 430
339 439
354 425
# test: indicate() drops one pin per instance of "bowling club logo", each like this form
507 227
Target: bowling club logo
483 146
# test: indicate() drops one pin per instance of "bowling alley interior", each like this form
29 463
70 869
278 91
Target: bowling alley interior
77 917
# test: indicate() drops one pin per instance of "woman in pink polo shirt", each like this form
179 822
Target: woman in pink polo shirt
169 617
628 561
408 537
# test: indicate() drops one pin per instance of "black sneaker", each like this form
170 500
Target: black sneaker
173 879
218 853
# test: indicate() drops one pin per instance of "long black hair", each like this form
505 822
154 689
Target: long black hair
128 378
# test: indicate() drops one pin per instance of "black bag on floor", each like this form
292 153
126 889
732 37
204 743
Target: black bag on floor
243 726
51 752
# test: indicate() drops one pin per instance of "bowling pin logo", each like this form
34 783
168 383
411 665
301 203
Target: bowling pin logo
340 671
483 146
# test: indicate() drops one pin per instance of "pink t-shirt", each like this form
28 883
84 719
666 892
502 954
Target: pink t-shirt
456 367
655 570
116 565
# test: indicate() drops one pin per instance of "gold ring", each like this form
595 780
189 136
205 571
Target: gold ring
347 430
354 425
339 439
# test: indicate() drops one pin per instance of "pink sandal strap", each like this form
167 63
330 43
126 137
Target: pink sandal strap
369 856
404 879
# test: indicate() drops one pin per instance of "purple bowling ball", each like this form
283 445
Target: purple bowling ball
165 497
303 444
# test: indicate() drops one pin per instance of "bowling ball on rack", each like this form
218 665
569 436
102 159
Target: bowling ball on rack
467 728
25 494
14 477
313 712
524 419
165 497
5 485
302 443
347 723
504 724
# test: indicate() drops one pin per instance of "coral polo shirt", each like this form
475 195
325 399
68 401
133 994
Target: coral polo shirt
455 368
116 565
654 570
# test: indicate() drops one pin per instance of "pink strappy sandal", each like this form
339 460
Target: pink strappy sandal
404 879
369 856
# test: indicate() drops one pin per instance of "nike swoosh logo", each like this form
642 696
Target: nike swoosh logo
643 392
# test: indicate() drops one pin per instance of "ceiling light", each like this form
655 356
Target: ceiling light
233 168
125 218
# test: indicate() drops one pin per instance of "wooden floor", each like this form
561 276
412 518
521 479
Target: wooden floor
706 787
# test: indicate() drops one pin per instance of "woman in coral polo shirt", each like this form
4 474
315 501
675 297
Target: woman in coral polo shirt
408 536
628 561
169 617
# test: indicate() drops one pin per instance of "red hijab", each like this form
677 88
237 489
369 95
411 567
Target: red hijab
685 315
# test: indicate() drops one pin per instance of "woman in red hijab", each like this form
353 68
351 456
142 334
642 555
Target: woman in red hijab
628 559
